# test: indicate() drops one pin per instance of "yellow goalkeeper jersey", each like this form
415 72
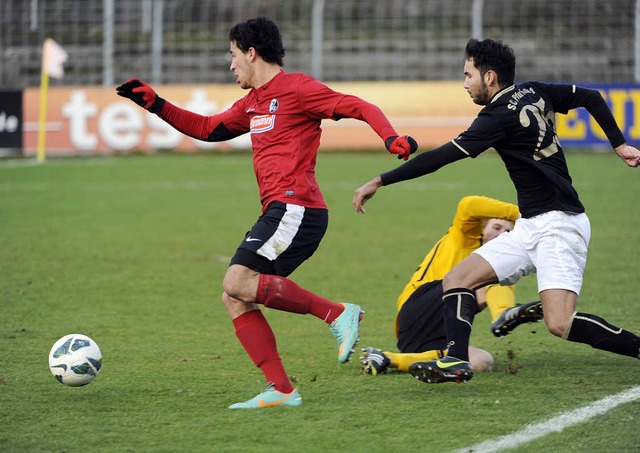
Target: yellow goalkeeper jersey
464 236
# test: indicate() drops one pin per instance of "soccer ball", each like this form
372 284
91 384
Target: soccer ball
75 360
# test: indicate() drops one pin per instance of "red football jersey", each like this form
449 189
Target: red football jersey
283 117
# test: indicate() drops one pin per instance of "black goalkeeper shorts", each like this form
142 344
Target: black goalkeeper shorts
420 321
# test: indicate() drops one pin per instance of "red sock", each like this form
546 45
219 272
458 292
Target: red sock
256 336
283 294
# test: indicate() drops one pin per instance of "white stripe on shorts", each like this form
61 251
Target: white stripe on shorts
284 234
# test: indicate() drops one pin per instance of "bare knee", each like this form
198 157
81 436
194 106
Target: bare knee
240 283
559 308
481 360
236 307
228 301
230 304
232 287
472 272
450 281
455 279
556 327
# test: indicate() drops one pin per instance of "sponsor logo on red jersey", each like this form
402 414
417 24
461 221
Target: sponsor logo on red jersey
262 123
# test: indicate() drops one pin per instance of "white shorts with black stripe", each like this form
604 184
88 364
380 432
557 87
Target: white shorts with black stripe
553 245
284 237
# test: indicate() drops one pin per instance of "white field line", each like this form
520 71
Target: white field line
19 163
556 424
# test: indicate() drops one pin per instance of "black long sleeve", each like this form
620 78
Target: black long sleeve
423 164
595 104
599 110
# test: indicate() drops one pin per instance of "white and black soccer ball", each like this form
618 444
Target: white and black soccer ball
75 360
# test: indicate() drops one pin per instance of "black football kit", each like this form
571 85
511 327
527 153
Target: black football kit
519 123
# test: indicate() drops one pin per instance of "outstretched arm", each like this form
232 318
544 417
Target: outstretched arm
570 97
423 164
600 111
221 127
354 107
598 108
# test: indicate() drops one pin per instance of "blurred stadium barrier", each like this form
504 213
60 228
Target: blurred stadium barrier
185 41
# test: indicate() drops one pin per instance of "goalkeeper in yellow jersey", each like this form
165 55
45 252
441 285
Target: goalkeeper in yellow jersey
419 321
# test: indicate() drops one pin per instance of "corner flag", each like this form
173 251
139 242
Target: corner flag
53 57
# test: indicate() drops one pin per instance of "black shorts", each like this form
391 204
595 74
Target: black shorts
420 321
284 237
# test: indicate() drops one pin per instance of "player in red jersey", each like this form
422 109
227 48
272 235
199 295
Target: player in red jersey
282 112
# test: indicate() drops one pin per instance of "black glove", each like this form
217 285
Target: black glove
142 94
403 146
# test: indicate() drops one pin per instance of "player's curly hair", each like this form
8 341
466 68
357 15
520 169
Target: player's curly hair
263 35
493 55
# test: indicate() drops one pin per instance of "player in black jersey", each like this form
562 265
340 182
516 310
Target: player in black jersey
551 238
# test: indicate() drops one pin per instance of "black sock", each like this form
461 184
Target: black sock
459 308
598 333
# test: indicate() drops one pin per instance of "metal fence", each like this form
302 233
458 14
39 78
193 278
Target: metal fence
185 41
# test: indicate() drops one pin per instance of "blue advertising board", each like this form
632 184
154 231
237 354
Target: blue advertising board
579 129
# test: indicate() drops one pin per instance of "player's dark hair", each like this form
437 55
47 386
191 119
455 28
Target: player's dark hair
263 35
493 55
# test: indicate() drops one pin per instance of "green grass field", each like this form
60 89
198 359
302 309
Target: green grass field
131 251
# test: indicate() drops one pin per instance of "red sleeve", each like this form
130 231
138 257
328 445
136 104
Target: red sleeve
354 107
216 128
320 101
316 99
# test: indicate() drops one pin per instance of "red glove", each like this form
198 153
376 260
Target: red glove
402 146
142 94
